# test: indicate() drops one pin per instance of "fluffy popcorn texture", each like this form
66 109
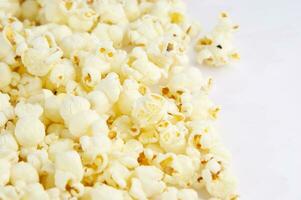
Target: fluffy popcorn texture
29 131
216 48
98 101
5 75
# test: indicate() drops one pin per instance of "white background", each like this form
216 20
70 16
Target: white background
261 94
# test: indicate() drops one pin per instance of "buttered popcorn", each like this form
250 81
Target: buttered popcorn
98 101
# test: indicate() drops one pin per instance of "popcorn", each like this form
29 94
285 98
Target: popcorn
103 192
90 76
6 109
40 61
95 62
5 75
29 131
28 110
73 43
130 153
221 185
171 193
217 49
149 109
185 80
29 9
29 86
10 7
172 139
98 101
82 19
130 93
8 142
150 178
111 13
124 127
188 194
59 146
80 122
117 174
110 86
112 33
23 172
4 172
69 161
72 105
35 192
61 73
8 192
52 107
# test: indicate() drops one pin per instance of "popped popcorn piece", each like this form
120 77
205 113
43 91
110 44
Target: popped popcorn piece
52 107
99 102
29 9
28 110
150 179
4 172
171 193
5 75
35 192
72 105
10 7
188 194
61 73
40 61
29 131
149 109
216 49
8 192
110 86
69 161
6 109
103 192
80 123
23 172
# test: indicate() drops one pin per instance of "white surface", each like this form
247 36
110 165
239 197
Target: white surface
261 95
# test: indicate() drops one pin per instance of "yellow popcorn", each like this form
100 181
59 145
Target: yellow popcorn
4 172
216 48
149 109
29 131
99 101
5 75
23 172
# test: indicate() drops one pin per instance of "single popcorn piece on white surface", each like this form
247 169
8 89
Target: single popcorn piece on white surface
216 48
98 100
6 109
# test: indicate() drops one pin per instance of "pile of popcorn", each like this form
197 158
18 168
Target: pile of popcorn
98 101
